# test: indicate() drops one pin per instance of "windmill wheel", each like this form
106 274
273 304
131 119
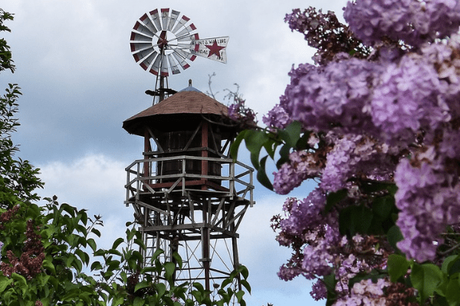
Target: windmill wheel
163 41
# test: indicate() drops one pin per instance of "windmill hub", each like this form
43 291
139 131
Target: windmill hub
164 41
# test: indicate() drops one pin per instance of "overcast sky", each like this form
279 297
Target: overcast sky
80 82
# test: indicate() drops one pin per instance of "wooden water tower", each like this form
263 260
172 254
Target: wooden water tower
188 195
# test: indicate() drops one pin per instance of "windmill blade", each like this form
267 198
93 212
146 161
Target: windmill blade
187 30
146 58
185 54
173 20
190 39
213 48
173 65
164 65
165 18
137 47
182 22
148 23
155 67
137 37
160 66
180 59
155 19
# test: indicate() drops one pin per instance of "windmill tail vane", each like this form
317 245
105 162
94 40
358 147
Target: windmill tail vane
213 48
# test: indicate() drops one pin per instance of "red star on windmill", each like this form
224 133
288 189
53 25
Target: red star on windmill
214 49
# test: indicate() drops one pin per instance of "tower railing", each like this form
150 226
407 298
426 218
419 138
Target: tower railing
235 179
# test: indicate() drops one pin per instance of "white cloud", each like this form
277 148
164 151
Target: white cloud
94 182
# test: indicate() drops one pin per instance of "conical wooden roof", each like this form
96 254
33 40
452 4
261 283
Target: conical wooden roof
178 110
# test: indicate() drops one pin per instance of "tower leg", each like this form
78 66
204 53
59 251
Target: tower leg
236 260
205 242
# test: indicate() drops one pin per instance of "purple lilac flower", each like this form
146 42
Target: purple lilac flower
366 293
408 98
355 154
301 166
320 254
288 273
318 290
305 214
428 203
336 96
277 118
412 21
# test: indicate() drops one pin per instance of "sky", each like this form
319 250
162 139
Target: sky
80 82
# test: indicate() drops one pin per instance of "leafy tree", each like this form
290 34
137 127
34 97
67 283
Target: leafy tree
375 121
49 254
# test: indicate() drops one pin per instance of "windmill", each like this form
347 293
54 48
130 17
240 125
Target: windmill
164 42
188 196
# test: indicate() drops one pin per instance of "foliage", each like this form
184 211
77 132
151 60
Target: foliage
375 122
49 254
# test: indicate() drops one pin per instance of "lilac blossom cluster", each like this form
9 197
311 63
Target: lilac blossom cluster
323 98
324 249
390 116
238 112
301 166
428 199
366 293
277 118
412 21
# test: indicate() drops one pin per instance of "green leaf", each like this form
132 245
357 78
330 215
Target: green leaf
383 206
355 220
330 282
255 140
161 289
83 256
291 134
452 292
138 301
48 264
96 266
394 235
246 285
262 175
225 282
178 259
302 143
284 156
157 253
117 242
397 266
169 270
425 278
448 262
117 301
236 144
4 282
244 271
141 285
92 244
20 282
130 233
334 198
96 232
239 295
